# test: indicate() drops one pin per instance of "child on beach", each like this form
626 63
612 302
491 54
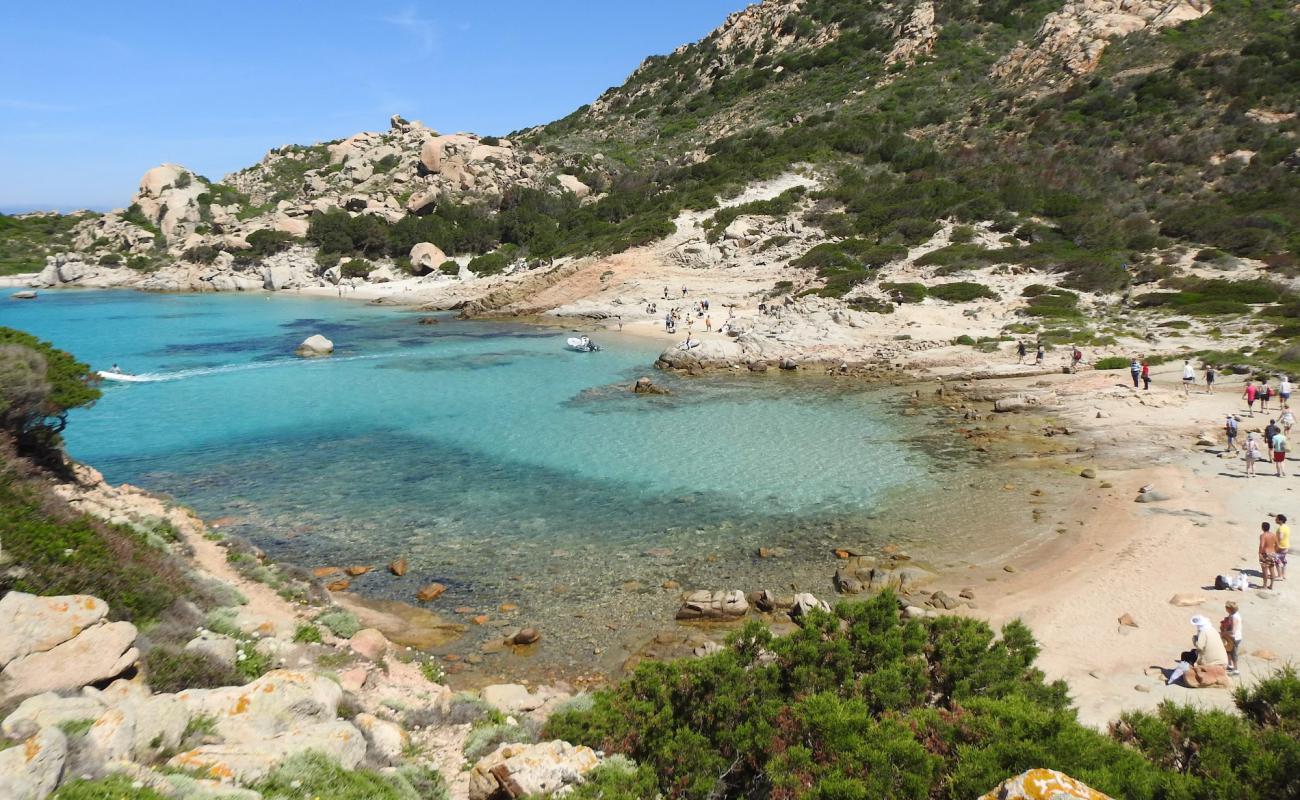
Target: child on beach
1252 454
1146 376
1230 630
1267 555
1286 421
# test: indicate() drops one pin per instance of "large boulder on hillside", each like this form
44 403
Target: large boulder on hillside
277 702
315 346
1043 784
31 769
426 257
32 624
96 654
526 770
251 758
571 183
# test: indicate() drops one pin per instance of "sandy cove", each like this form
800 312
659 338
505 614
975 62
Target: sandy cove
1116 556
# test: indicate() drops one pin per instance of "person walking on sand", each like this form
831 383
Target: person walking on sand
1230 629
1230 429
1189 377
1267 555
1284 391
1076 356
1279 453
1020 351
708 323
1283 545
1135 371
683 291
1209 379
1252 454
665 292
1040 355
1249 394
1264 393
1270 430
1146 376
1286 421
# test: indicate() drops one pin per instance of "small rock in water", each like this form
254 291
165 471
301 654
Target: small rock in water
526 636
430 592
315 346
398 567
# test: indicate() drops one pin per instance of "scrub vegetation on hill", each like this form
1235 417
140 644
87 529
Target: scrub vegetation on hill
863 704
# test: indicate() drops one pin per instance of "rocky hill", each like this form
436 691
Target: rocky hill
1104 147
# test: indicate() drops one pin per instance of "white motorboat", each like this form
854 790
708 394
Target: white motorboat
582 344
124 377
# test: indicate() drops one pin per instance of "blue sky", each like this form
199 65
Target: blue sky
95 93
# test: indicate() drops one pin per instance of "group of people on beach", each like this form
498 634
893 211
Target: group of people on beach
1215 656
1276 434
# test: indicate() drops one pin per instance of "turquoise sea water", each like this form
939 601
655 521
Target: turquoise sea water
495 460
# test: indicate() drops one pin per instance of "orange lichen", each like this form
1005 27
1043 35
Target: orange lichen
241 705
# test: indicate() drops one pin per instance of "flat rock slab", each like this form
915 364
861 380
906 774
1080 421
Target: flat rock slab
96 654
31 624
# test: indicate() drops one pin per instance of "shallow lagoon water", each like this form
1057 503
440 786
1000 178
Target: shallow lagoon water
493 459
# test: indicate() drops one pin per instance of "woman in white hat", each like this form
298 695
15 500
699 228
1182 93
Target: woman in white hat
1207 663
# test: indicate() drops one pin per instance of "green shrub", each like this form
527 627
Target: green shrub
115 787
171 669
484 739
314 775
355 268
110 260
490 264
307 633
961 292
264 242
449 267
908 292
1055 303
340 623
387 163
1112 362
964 339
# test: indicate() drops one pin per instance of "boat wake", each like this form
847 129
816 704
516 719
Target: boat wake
202 372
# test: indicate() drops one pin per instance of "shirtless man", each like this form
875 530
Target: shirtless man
1267 555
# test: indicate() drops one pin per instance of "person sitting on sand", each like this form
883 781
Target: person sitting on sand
1249 394
1206 664
1230 632
1230 429
1252 454
1267 555
1283 545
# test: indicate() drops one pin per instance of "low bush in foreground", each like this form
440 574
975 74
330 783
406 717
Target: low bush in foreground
116 787
864 704
313 775
1112 362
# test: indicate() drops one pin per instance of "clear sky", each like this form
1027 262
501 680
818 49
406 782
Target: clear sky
95 93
